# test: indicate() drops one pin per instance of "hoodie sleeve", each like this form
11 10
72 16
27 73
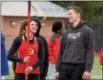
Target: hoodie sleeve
61 50
90 50
41 55
44 70
15 45
101 56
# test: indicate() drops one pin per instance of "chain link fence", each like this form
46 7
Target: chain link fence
98 31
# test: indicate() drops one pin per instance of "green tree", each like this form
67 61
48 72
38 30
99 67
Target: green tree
92 10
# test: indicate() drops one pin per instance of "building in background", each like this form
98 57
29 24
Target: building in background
13 13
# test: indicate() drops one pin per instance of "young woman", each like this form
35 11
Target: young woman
44 65
54 45
30 57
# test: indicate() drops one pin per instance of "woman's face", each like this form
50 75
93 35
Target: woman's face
33 26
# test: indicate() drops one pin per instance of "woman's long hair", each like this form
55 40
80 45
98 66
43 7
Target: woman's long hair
22 30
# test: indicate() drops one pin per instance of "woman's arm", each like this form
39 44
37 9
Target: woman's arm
15 45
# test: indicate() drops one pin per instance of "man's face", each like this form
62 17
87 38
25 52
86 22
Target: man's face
72 16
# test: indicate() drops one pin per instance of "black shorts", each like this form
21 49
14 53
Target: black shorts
19 76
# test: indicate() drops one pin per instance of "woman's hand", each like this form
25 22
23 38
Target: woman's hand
28 70
26 59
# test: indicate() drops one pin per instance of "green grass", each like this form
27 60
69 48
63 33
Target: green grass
96 72
11 73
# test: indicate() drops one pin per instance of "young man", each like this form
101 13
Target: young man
77 49
101 57
54 45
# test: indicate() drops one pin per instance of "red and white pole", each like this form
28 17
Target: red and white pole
28 32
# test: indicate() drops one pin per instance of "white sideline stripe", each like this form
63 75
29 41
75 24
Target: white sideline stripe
9 62
96 76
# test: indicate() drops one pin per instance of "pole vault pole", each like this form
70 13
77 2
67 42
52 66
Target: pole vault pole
28 31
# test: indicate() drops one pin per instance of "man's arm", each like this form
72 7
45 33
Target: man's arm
90 50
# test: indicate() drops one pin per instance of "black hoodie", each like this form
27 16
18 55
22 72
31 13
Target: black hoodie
44 66
77 46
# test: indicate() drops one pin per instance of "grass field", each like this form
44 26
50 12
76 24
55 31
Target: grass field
96 72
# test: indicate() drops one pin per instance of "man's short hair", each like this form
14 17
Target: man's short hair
77 9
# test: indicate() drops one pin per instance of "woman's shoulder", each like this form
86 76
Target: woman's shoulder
18 39
39 39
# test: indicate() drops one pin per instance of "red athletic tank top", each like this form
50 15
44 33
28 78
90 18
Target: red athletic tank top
32 52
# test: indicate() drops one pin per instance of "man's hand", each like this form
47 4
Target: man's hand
56 75
102 66
28 70
86 75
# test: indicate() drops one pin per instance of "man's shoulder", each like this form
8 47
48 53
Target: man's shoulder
66 31
87 28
